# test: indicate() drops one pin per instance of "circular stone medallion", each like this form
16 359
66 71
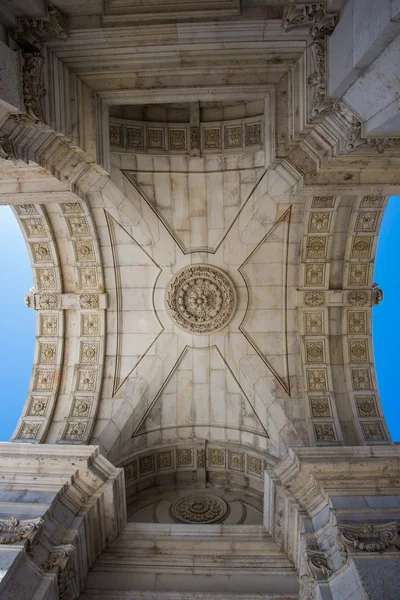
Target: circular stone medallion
199 509
200 299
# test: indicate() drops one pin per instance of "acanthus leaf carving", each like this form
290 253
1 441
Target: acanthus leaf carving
14 531
28 36
367 537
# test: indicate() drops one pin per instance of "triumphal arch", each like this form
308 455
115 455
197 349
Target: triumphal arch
200 185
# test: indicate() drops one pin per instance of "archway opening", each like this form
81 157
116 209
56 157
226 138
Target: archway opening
386 316
17 323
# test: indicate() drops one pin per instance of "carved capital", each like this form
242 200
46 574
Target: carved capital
14 531
311 15
377 294
7 151
58 557
367 537
29 35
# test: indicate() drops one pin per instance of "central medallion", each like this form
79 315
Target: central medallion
200 299
199 509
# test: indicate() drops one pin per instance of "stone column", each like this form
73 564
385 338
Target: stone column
60 506
336 513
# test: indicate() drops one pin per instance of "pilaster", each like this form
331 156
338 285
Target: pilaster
59 508
336 513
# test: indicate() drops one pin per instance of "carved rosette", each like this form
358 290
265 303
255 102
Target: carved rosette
199 509
200 299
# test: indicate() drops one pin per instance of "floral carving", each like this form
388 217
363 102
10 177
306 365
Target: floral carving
361 247
361 379
130 471
38 406
146 465
358 274
29 430
89 352
313 322
358 350
367 537
47 301
44 380
253 134
372 201
75 431
34 227
315 274
155 138
367 221
236 461
177 139
46 278
325 432
86 381
89 301
71 207
366 406
315 352
314 298
217 458
201 459
195 138
90 324
134 137
41 252
84 250
26 209
115 135
233 137
357 298
184 457
88 277
164 460
323 202
320 406
373 431
81 407
212 138
47 353
254 466
377 294
199 509
78 225
58 557
316 247
49 324
200 299
317 379
319 222
356 322
14 531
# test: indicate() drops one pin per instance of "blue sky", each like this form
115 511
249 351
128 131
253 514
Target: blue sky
17 323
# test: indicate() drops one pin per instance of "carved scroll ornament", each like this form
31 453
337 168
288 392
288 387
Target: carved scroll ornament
367 537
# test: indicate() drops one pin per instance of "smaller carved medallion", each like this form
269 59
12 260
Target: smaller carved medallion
199 509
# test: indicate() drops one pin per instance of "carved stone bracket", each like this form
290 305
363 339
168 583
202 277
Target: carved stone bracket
7 151
367 537
59 560
14 531
29 35
321 25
